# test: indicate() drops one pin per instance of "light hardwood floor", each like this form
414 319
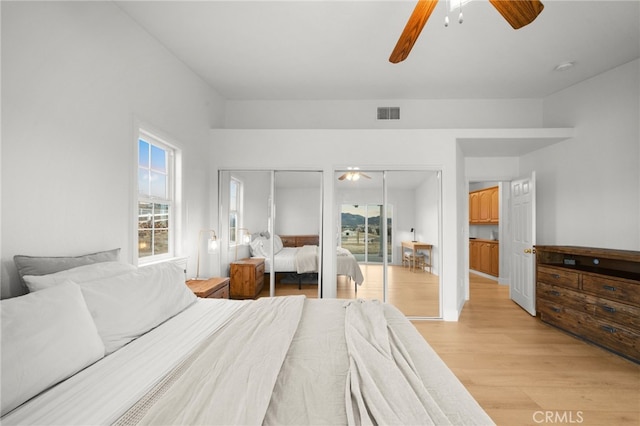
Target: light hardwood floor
521 371
415 293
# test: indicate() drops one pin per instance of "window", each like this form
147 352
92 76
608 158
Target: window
235 209
156 198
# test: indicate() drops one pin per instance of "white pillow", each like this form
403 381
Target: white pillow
126 306
261 246
78 275
256 247
47 336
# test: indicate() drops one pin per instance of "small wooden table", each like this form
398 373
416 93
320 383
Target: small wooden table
212 288
414 246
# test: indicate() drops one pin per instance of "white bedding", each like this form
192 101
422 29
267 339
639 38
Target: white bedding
286 261
308 378
102 392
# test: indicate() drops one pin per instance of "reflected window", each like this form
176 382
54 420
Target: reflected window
235 209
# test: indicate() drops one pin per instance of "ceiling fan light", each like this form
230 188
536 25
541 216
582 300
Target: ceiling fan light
355 176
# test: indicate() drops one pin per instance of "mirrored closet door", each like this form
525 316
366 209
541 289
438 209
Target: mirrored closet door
275 216
298 227
389 221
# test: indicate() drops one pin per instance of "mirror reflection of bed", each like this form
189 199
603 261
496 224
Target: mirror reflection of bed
409 201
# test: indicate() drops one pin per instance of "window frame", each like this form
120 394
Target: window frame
238 213
172 199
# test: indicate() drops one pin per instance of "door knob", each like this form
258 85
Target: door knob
529 251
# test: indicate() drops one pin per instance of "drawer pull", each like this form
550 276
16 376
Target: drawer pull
609 309
609 288
554 293
608 329
556 276
557 310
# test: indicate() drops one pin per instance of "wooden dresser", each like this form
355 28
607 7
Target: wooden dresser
247 278
591 293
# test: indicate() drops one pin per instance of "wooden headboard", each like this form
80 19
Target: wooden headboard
300 240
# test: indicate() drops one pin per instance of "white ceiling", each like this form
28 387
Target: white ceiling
288 50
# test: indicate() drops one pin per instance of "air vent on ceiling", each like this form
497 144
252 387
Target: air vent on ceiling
388 113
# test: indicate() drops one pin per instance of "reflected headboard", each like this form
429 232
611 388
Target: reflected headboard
299 240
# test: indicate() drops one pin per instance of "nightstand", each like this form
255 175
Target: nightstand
212 288
247 278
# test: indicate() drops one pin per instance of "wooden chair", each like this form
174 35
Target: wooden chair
408 260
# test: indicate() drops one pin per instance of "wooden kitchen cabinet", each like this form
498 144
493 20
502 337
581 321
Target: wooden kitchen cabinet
484 256
484 206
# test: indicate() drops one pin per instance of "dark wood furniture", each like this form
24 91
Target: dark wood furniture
247 278
300 240
591 293
213 288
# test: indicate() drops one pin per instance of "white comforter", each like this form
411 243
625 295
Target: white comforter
305 259
284 360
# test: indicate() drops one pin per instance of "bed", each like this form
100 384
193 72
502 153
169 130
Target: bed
107 343
297 255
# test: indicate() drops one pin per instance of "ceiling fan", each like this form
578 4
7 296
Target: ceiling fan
518 14
353 174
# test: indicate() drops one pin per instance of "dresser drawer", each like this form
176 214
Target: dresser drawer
612 336
560 316
558 276
624 291
259 270
563 296
222 293
619 313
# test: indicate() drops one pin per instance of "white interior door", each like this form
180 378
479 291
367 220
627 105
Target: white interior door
522 288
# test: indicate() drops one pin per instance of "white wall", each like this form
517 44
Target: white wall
588 188
298 211
75 77
361 114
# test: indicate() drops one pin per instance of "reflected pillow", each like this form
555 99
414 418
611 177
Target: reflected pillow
261 246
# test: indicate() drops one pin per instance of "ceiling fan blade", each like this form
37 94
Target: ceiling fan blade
342 177
365 176
412 30
518 13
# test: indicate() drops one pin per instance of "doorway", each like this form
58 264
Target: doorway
361 231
